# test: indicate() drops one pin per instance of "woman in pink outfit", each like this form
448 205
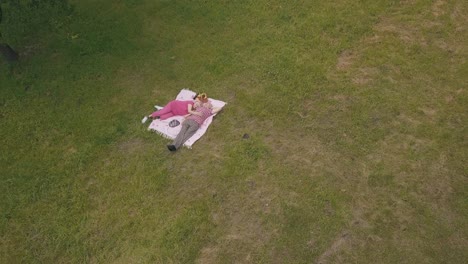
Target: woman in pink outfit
175 108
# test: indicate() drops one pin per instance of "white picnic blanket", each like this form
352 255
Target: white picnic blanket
162 126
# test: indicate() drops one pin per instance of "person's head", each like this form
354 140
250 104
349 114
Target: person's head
203 98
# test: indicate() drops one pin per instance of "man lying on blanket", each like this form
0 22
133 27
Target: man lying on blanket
193 120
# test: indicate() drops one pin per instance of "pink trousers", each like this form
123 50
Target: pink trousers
173 108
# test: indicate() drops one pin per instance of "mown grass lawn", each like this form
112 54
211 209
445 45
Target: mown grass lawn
356 113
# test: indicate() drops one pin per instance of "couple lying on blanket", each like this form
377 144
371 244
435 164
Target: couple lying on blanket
195 113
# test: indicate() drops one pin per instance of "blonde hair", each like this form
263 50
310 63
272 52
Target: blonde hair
203 97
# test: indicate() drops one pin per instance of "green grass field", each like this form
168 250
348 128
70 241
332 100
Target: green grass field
356 111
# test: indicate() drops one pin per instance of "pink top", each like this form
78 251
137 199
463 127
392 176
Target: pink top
180 107
206 112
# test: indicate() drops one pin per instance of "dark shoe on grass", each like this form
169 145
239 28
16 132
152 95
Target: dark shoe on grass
171 147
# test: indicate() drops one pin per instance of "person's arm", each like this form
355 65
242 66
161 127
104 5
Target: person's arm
195 113
190 111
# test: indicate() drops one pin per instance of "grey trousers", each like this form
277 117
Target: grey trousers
189 127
